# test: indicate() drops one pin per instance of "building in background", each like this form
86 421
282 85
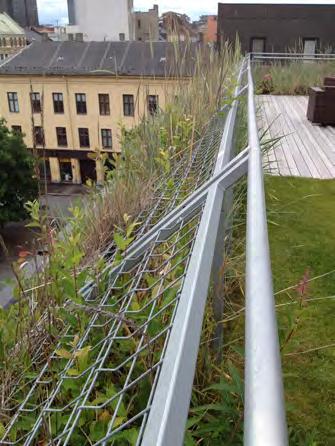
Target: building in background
24 12
12 37
70 98
146 24
51 32
206 27
176 27
278 27
101 20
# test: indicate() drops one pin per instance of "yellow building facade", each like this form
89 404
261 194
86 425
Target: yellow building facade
66 117
93 120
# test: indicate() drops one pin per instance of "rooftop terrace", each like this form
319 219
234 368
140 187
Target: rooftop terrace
304 149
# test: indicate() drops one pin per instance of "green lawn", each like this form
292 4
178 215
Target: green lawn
301 217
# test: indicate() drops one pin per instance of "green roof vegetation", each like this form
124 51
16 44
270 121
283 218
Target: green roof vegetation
301 217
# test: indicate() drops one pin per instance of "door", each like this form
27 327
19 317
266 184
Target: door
88 170
309 47
258 45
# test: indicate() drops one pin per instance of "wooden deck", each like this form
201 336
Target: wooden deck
305 149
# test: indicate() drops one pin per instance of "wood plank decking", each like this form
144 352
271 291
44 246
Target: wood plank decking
305 149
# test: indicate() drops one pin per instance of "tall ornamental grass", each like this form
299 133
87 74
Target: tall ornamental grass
291 77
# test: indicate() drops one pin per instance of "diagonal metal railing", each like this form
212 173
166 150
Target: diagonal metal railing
141 332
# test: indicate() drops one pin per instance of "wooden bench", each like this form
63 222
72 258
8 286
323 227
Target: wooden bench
321 104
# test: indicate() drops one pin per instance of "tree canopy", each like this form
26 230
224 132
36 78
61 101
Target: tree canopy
18 183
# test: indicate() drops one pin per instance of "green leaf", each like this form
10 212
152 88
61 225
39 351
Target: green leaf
62 353
193 420
82 356
129 435
2 430
73 372
120 242
188 440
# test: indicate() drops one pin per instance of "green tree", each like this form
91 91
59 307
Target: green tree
18 183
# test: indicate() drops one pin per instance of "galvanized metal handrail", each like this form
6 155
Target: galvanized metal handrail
264 401
269 53
292 56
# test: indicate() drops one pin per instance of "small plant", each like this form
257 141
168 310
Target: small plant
266 84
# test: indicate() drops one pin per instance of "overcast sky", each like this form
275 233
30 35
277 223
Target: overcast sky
51 11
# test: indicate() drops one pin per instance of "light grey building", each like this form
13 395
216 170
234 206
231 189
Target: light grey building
101 20
147 24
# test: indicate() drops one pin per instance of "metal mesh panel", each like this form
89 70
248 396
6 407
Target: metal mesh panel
97 385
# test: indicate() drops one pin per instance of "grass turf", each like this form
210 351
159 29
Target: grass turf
301 219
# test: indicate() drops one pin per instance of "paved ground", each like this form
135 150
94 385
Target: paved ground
17 237
306 149
61 197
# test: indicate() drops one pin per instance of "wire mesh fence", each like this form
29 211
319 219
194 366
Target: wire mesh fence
96 386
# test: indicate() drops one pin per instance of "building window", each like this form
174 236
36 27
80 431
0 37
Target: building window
257 45
122 37
13 102
106 137
310 46
58 102
81 103
35 99
104 104
128 105
152 104
139 23
61 136
11 42
17 129
84 138
38 136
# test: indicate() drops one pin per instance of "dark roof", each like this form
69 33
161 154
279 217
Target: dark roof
33 36
102 58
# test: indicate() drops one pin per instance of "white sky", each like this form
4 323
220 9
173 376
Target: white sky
51 11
